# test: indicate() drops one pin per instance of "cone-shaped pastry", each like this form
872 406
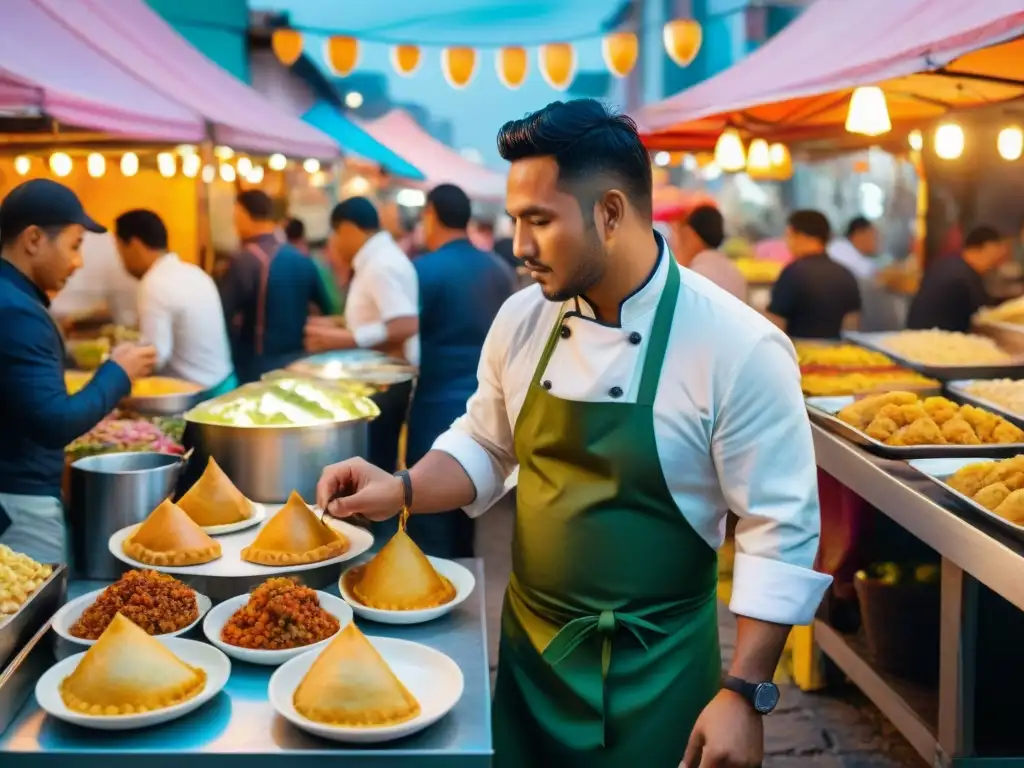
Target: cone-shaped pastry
214 500
351 684
127 672
170 537
295 536
399 578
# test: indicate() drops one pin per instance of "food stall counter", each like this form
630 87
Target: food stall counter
239 727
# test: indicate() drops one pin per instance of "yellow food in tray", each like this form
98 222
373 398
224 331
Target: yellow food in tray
20 576
835 384
936 347
1011 311
1006 393
839 356
904 418
151 386
998 486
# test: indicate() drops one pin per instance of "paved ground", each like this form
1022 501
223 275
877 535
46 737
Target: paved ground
840 729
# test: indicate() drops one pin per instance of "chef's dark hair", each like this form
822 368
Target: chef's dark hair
707 222
594 147
142 225
811 223
257 204
451 206
357 210
981 236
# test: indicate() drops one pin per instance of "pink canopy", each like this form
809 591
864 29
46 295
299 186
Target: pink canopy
439 163
129 33
800 79
47 67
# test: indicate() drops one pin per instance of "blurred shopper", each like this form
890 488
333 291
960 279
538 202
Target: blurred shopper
42 224
179 307
637 403
101 291
814 297
481 235
461 289
295 235
953 287
266 292
381 312
699 238
858 250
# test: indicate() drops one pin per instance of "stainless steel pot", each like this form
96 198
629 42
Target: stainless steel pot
110 492
268 463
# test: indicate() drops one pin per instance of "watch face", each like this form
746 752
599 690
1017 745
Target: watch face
766 697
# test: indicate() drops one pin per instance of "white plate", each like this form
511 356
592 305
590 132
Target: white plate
230 563
70 612
218 617
216 665
433 678
461 578
259 514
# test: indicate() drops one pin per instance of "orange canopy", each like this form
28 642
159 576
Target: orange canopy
929 56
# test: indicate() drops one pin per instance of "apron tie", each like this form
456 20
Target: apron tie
605 624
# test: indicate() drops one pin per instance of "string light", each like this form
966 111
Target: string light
60 164
277 162
916 140
311 165
255 175
224 153
869 113
949 141
209 174
227 172
165 164
244 166
129 164
662 158
759 158
22 165
1010 143
96 165
729 153
190 165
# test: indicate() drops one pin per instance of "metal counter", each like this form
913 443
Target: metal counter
974 551
240 728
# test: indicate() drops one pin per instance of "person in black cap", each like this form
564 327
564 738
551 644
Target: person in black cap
42 224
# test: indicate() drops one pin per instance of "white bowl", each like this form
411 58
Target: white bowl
70 612
230 563
461 578
216 665
259 514
434 679
218 617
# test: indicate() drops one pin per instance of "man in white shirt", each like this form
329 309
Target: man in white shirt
639 404
382 312
179 307
102 289
858 251
699 239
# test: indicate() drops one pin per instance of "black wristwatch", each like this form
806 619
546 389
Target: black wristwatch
763 697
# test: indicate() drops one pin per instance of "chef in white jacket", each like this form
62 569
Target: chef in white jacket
639 403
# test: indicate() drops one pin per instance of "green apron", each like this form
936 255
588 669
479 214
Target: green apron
609 646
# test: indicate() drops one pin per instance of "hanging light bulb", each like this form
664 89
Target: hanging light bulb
729 153
185 149
277 162
209 173
311 165
223 153
916 140
759 159
405 59
620 51
949 141
22 164
60 164
190 165
287 45
869 113
662 158
244 166
512 65
165 164
1010 143
255 174
96 165
129 164
227 172
782 161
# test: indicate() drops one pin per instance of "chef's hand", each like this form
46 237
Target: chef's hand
362 488
321 338
136 360
728 734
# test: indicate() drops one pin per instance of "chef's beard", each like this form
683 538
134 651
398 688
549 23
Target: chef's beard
587 270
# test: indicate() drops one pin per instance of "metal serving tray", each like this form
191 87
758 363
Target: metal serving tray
876 341
19 677
35 613
959 391
823 410
939 470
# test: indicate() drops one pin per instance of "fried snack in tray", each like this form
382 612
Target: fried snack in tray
838 382
281 614
1011 311
839 356
20 576
998 486
1006 393
937 347
155 602
904 419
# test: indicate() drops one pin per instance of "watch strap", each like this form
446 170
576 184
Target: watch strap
403 475
738 685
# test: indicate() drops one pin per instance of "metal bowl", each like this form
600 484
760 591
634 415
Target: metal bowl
162 405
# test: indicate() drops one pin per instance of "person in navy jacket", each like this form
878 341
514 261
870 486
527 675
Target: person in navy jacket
42 224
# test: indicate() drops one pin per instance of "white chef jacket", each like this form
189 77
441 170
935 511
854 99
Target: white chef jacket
384 286
180 313
729 421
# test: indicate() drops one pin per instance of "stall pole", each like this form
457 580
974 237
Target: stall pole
958 631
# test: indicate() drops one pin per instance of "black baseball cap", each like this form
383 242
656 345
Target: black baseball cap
42 203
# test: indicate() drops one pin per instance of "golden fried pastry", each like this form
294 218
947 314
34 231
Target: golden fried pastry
350 684
399 578
958 432
295 536
940 409
1012 508
862 412
972 478
128 672
921 432
170 537
214 499
991 496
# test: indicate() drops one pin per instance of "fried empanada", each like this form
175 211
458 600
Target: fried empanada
170 537
295 536
214 500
